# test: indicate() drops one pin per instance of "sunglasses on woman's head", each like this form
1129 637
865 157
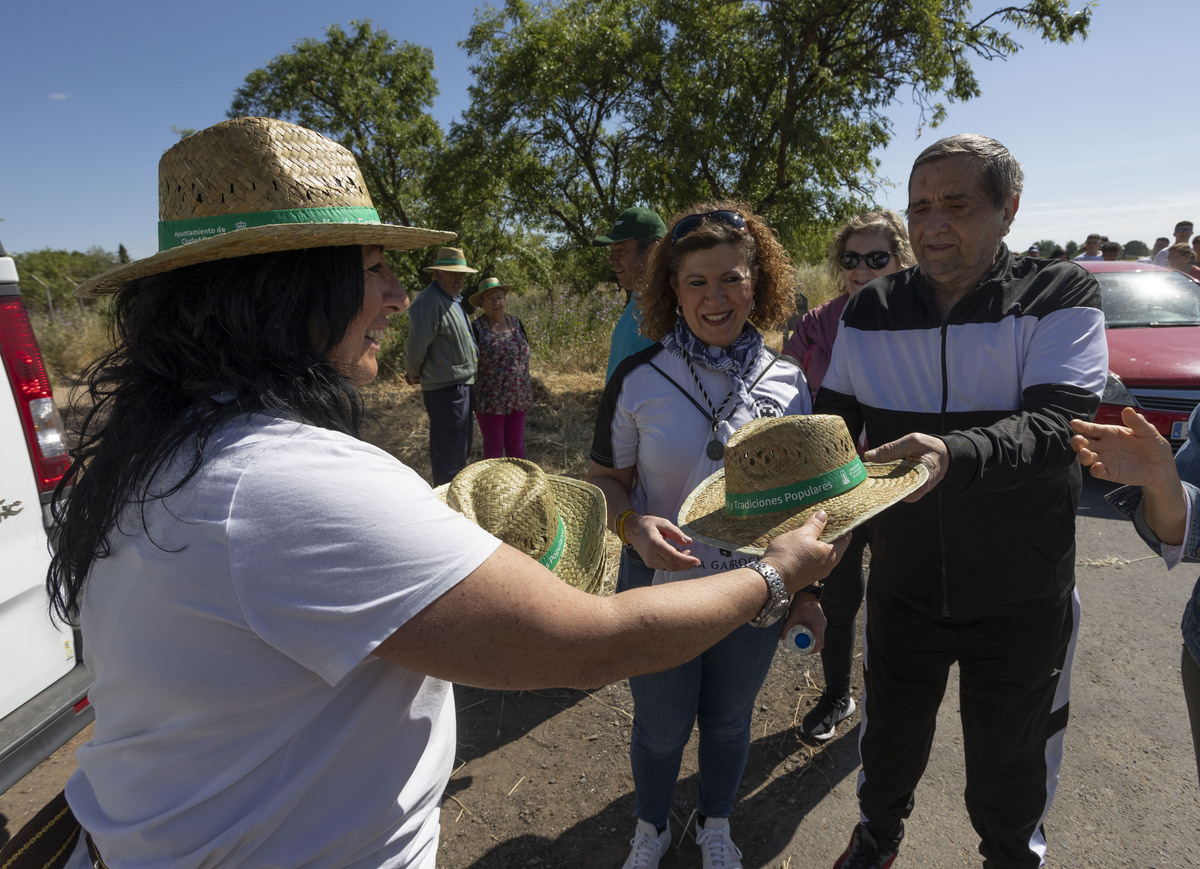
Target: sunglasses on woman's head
692 222
875 260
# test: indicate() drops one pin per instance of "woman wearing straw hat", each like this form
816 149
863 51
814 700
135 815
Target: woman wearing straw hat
867 247
665 416
269 605
503 392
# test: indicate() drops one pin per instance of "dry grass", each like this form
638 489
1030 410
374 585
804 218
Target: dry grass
558 430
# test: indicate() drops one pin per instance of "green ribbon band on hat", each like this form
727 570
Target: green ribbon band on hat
177 233
452 261
554 554
800 494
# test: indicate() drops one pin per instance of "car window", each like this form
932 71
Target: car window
1149 299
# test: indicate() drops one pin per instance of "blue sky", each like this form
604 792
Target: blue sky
1107 129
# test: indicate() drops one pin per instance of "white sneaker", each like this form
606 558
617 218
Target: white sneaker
716 848
649 845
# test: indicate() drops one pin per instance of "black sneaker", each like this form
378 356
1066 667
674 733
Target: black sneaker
822 722
864 852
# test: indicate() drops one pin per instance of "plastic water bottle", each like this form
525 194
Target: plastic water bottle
800 640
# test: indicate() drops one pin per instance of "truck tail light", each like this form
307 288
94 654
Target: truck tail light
43 426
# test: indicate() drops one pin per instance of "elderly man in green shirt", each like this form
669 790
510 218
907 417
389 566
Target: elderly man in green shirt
441 357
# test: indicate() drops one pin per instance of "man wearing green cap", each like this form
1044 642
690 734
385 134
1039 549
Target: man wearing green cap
629 243
442 358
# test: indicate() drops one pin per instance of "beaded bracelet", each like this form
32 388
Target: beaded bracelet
621 517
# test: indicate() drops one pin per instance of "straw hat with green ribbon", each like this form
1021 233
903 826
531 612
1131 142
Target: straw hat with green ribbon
488 284
258 185
451 259
779 471
555 520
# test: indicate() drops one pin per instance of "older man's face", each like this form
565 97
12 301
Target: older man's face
628 262
954 228
450 282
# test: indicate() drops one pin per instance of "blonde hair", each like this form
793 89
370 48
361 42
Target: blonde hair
770 268
882 222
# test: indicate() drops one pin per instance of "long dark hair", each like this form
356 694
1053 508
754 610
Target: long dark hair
192 349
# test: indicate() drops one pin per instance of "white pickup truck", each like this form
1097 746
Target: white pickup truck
43 684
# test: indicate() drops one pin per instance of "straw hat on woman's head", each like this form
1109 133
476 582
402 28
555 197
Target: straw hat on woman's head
555 520
779 471
488 284
258 185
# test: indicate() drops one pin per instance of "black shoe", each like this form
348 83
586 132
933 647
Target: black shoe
865 853
822 722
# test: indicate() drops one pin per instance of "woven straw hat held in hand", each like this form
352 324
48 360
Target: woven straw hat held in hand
258 185
779 471
555 520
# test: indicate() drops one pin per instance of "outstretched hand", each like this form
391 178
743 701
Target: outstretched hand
930 451
801 558
658 541
1134 453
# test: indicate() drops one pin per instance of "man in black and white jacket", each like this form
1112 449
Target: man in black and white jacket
973 362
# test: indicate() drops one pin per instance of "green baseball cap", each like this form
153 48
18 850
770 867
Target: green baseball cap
634 222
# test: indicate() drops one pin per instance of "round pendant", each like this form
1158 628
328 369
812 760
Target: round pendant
716 450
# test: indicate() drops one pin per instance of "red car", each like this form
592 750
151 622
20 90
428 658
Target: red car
1152 321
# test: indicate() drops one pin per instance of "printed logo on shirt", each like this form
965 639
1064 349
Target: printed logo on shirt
767 407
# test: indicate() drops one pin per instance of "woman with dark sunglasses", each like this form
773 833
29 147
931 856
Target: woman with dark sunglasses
869 246
666 414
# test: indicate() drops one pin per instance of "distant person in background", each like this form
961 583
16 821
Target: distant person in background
1091 248
1059 253
1196 248
629 243
440 357
503 392
1033 251
1111 251
1183 232
867 247
1180 258
1160 243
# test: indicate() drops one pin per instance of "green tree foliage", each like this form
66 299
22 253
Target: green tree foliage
1073 249
49 277
612 102
371 94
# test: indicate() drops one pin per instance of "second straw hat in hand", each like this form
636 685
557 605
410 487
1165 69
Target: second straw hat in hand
555 520
779 471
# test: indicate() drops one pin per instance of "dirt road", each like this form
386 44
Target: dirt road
544 776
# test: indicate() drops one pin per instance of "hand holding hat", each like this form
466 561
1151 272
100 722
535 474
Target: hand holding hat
780 471
557 521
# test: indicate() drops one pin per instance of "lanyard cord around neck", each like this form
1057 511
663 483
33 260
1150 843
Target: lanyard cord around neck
714 412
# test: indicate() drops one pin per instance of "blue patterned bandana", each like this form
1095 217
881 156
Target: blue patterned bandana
737 360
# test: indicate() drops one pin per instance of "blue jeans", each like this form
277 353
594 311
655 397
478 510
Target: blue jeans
717 689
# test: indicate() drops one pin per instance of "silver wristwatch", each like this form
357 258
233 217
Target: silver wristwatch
778 598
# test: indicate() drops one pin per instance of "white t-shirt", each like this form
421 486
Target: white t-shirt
241 719
1089 257
647 422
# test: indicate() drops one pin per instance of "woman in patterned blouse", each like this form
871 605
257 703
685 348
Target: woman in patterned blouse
503 394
